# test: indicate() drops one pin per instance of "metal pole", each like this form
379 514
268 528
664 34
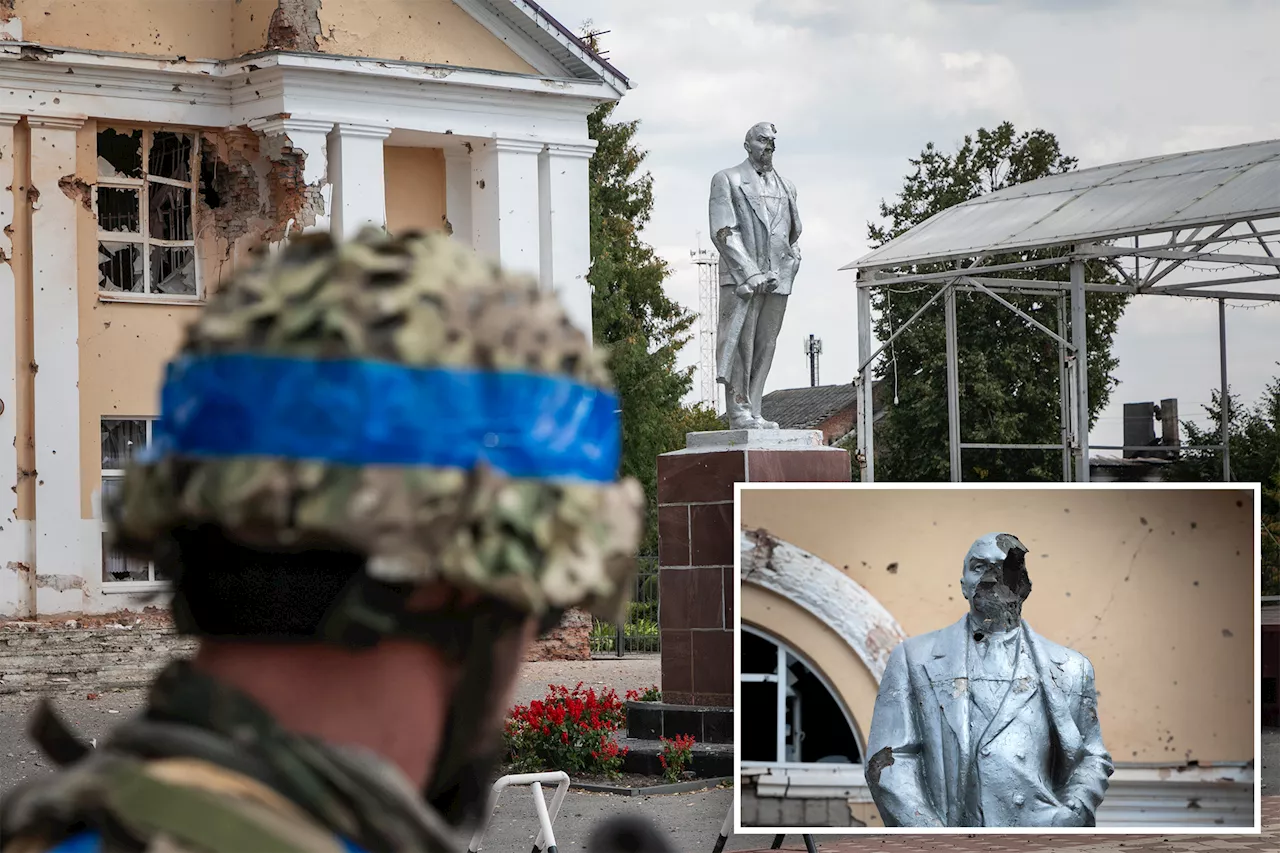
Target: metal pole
1079 337
1225 398
953 385
1064 383
866 416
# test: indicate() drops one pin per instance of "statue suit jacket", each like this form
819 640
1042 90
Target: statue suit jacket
919 746
740 229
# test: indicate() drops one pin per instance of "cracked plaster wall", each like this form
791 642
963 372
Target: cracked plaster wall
433 31
1156 588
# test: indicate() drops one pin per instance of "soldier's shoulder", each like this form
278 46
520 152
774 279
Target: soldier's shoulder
183 805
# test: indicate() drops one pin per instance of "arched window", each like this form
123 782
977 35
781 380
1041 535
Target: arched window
790 715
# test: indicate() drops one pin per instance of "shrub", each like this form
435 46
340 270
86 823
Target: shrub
677 752
570 730
649 694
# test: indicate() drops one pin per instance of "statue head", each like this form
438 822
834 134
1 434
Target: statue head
760 141
995 580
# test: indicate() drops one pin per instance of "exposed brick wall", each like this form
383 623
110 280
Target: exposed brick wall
839 424
570 641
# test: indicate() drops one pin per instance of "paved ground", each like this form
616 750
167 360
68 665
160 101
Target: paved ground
691 821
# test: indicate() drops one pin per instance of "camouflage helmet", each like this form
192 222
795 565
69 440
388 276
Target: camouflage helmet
402 399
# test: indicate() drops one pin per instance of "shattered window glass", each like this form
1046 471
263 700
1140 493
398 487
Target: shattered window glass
119 154
169 217
170 156
120 440
173 270
118 210
146 212
120 267
759 656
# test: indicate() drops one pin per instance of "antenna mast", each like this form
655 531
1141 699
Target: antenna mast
708 318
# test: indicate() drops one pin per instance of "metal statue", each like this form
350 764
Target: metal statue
754 225
986 723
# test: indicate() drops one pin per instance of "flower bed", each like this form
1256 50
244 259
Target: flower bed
573 730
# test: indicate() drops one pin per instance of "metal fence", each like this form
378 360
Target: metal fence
639 633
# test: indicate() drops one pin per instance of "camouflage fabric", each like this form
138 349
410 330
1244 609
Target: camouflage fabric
206 770
420 301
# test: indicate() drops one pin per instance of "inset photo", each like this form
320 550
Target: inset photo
1060 659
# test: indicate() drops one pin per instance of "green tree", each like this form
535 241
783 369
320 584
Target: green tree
1254 439
631 313
1009 385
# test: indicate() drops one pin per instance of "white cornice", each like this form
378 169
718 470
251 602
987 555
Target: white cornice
36 60
57 122
298 88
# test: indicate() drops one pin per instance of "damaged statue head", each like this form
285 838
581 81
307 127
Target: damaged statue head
755 227
985 722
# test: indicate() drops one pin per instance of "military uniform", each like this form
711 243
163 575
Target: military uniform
396 399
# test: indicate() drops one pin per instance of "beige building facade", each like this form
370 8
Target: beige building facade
150 148
1155 586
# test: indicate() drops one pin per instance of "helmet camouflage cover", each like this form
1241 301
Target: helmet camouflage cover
405 400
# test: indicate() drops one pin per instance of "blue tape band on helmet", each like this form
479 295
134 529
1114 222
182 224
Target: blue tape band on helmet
358 412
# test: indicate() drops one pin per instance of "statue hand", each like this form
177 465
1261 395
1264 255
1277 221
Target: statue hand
1070 814
771 282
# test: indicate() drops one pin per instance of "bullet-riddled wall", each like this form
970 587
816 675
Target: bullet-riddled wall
439 32
1156 587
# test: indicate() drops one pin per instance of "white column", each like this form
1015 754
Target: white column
55 306
359 184
311 138
565 214
505 203
14 589
457 193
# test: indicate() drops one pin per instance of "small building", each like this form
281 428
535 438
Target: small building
830 408
149 150
1270 660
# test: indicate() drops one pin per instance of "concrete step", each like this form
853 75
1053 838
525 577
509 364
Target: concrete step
710 760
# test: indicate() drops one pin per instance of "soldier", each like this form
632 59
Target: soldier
380 469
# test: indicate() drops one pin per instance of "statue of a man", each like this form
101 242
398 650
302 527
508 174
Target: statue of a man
754 226
986 723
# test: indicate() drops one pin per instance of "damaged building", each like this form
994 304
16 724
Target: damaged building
150 149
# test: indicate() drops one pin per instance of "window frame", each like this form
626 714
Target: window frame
786 654
143 238
108 586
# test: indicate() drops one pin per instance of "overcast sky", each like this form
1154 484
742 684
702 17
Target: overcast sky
858 86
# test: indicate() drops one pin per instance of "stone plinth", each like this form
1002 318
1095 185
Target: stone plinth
697 541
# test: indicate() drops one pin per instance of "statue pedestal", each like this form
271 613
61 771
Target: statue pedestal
697 541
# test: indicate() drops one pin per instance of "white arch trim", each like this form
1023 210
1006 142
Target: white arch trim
835 599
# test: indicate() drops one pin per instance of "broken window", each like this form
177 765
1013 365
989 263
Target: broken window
792 719
145 203
122 438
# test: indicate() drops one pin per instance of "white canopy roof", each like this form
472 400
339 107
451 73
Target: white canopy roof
1152 195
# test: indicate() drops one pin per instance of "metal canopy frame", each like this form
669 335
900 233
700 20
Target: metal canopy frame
1236 257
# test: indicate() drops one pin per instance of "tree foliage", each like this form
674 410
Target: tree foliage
1009 371
1254 440
631 313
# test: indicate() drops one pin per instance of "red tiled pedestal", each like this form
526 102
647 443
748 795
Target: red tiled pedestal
696 542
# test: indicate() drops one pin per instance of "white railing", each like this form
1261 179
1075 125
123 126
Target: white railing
546 840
